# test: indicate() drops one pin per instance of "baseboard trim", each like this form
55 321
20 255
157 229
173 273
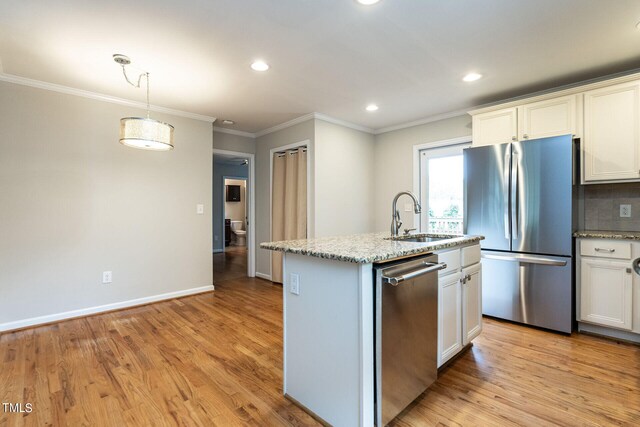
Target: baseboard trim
263 276
51 318
606 332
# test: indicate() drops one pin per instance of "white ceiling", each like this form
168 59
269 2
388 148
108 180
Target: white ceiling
327 56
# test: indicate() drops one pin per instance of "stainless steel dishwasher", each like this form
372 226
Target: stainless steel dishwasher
406 332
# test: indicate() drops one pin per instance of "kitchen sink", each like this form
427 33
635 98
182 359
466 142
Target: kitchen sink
420 239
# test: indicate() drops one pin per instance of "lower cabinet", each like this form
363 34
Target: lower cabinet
606 292
459 303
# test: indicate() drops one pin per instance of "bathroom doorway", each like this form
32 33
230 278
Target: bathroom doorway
233 208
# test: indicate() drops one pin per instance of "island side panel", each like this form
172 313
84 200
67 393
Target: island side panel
328 339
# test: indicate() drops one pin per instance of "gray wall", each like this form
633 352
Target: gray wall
301 132
394 162
344 161
74 203
602 207
225 141
221 169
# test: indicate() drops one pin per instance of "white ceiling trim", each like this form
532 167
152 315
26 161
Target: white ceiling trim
10 78
285 125
234 132
424 121
344 123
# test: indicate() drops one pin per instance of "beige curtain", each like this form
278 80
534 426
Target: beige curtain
288 202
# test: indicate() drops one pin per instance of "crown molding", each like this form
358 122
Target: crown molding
10 78
343 123
424 121
285 125
234 132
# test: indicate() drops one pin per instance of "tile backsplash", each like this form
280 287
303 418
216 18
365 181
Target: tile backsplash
602 207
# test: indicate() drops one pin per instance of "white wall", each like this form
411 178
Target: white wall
225 141
394 163
220 170
74 203
300 132
344 165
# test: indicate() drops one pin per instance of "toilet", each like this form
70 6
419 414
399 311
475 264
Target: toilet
241 235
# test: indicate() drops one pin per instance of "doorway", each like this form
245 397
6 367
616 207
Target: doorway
233 239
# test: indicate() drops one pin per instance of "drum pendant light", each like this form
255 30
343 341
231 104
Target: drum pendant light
143 132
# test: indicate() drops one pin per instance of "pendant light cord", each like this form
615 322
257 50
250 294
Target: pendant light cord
137 85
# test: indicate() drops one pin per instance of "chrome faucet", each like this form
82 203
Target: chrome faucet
395 215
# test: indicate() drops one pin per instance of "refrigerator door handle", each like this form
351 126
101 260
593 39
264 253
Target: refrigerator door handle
505 183
515 205
526 259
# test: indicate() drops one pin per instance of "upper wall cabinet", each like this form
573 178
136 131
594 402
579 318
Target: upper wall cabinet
495 127
551 117
612 133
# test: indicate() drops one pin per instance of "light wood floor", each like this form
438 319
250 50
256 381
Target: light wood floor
216 359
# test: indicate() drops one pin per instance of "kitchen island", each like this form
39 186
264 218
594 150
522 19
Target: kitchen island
329 319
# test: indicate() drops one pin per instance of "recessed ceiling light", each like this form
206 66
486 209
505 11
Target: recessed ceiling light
472 77
372 107
228 122
368 2
260 66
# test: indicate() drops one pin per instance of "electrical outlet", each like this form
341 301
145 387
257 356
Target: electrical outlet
294 284
107 277
200 209
625 211
215 237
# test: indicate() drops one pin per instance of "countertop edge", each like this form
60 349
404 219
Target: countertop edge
615 235
427 248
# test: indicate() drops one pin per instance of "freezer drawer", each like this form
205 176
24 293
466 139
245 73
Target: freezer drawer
531 289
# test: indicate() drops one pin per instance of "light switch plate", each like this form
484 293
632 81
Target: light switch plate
107 277
294 284
625 211
200 209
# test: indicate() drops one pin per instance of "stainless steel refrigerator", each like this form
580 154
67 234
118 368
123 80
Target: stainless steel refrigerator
521 197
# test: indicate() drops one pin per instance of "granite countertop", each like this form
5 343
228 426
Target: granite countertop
601 234
367 248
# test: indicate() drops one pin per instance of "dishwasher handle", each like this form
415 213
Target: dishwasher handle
428 268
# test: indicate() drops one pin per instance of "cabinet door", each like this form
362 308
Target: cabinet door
449 317
551 117
606 292
612 133
495 127
471 303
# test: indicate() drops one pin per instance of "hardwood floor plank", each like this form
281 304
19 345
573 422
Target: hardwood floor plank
215 359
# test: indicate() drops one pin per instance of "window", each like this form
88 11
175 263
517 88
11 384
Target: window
441 189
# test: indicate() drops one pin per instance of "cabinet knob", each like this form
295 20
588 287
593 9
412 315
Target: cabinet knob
513 138
525 136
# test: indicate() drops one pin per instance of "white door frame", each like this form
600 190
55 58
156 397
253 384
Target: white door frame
310 216
224 200
417 190
251 208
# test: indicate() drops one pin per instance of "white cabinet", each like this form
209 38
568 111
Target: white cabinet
606 292
449 317
471 303
612 133
495 127
550 117
459 301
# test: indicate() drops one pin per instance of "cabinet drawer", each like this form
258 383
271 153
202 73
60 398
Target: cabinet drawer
451 258
470 255
605 248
